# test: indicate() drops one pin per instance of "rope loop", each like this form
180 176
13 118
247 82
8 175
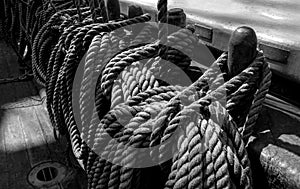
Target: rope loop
107 94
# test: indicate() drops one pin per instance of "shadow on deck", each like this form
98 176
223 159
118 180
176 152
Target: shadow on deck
26 134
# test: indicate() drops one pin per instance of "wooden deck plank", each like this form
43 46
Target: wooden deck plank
28 121
14 159
34 138
55 149
26 134
3 163
17 158
2 142
36 144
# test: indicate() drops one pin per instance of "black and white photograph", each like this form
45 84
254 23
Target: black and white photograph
149 94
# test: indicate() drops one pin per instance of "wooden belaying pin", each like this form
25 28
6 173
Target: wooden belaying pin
113 9
241 50
134 11
177 17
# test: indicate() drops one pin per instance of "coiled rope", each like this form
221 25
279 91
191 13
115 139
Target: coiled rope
195 140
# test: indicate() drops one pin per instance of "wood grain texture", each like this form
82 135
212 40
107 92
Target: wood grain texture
26 134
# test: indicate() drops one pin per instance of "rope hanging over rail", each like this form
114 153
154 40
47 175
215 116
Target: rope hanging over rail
139 125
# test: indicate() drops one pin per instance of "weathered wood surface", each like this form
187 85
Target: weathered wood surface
26 135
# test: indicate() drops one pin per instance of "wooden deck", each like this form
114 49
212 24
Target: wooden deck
26 135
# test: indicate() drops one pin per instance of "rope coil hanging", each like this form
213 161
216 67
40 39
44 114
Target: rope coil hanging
125 107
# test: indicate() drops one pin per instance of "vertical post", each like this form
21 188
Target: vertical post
177 17
241 50
113 9
103 10
241 53
134 11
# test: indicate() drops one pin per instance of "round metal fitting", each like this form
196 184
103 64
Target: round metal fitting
47 175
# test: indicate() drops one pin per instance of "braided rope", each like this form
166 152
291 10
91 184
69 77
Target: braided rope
108 55
144 36
75 44
162 16
206 140
93 55
55 62
142 96
257 103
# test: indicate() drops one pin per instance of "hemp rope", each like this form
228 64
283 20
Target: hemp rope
207 139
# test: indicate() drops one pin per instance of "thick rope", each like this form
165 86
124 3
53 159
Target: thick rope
206 140
162 17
